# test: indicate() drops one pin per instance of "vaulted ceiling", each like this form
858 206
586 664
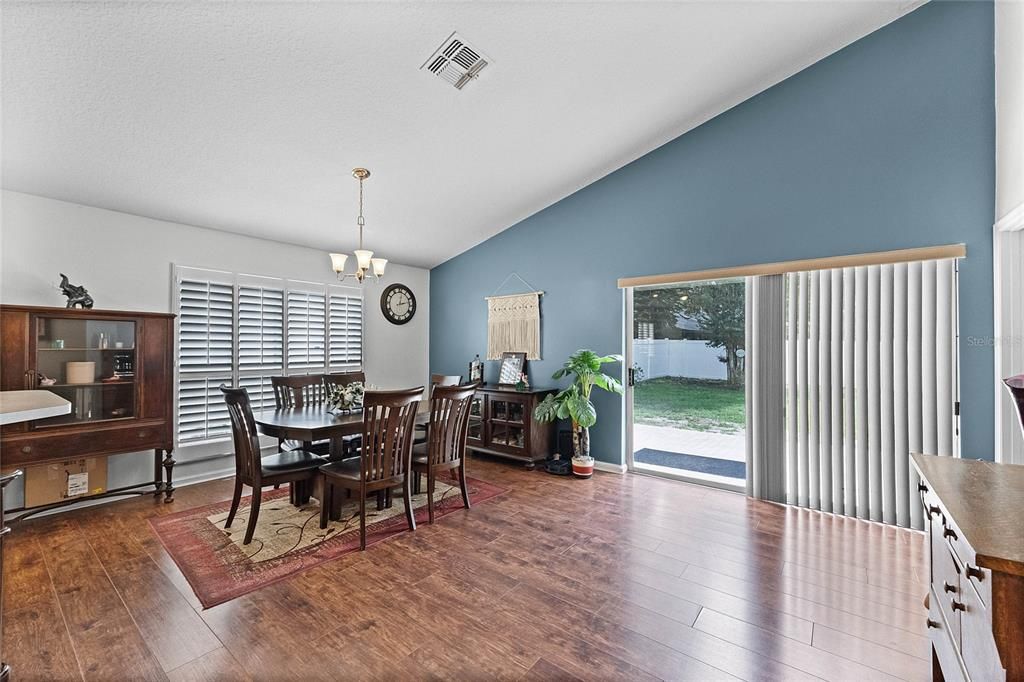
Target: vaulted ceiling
249 116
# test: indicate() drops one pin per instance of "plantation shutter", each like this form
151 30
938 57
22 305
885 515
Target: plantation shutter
205 357
202 412
872 377
260 328
206 326
307 329
261 392
346 330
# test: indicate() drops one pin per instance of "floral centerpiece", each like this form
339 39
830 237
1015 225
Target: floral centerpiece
345 398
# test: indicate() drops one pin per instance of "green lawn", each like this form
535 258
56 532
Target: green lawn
689 404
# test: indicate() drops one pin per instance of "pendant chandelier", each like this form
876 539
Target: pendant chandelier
366 264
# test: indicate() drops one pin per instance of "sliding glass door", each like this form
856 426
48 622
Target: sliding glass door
686 381
810 387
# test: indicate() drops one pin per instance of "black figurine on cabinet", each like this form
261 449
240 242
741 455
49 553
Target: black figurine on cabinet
77 295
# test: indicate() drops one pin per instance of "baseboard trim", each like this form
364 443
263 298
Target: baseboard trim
609 467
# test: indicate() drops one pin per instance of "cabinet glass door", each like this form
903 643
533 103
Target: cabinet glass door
91 363
507 418
476 420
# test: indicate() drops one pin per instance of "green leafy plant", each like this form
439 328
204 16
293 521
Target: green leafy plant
584 366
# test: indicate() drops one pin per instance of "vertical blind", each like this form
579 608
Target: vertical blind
871 376
765 344
242 330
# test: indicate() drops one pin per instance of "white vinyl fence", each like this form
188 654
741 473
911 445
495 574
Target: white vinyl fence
678 358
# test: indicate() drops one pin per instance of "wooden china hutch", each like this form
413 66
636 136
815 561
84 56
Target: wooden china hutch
117 370
501 423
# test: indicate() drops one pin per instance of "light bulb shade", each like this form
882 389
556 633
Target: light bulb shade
363 258
338 261
378 265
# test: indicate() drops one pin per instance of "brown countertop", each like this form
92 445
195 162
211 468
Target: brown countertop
986 502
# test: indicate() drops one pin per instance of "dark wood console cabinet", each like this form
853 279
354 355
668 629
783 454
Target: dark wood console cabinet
976 547
117 370
502 424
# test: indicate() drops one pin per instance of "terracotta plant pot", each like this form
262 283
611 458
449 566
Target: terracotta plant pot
583 467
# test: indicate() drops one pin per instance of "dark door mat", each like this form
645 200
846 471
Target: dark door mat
704 465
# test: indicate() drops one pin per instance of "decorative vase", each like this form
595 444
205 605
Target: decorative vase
582 462
583 467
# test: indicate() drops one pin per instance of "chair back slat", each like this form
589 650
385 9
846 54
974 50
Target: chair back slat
344 379
389 418
449 423
298 391
244 434
445 380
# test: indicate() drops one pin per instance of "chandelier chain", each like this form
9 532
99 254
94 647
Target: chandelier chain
360 220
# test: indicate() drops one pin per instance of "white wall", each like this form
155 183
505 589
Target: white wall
126 262
1009 64
1008 241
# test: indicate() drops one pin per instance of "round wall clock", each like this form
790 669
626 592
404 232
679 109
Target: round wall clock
398 304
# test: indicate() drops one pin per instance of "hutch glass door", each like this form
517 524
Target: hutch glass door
88 362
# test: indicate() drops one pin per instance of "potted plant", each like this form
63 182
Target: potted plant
574 402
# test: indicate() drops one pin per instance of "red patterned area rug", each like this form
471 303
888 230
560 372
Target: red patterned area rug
287 540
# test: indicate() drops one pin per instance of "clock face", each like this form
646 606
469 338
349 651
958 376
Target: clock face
398 304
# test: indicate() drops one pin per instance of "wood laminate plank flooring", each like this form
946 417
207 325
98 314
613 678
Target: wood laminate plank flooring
619 577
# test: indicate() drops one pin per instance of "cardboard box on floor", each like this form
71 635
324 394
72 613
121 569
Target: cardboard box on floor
49 483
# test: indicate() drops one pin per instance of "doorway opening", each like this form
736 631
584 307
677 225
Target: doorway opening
686 381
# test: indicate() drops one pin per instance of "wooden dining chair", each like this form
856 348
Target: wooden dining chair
298 390
445 449
297 467
435 381
295 392
385 454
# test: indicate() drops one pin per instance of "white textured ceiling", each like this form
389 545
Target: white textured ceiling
248 116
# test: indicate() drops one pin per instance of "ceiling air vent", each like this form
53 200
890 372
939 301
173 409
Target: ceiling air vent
456 62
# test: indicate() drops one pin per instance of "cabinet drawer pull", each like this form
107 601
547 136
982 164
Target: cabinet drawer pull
958 605
26 449
949 533
946 587
933 624
4 531
143 433
975 572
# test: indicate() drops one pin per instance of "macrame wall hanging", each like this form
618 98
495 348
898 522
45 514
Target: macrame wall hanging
513 323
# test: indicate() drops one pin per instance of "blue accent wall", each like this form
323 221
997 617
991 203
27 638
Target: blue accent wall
886 144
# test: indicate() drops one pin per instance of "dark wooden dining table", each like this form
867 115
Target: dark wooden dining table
315 423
